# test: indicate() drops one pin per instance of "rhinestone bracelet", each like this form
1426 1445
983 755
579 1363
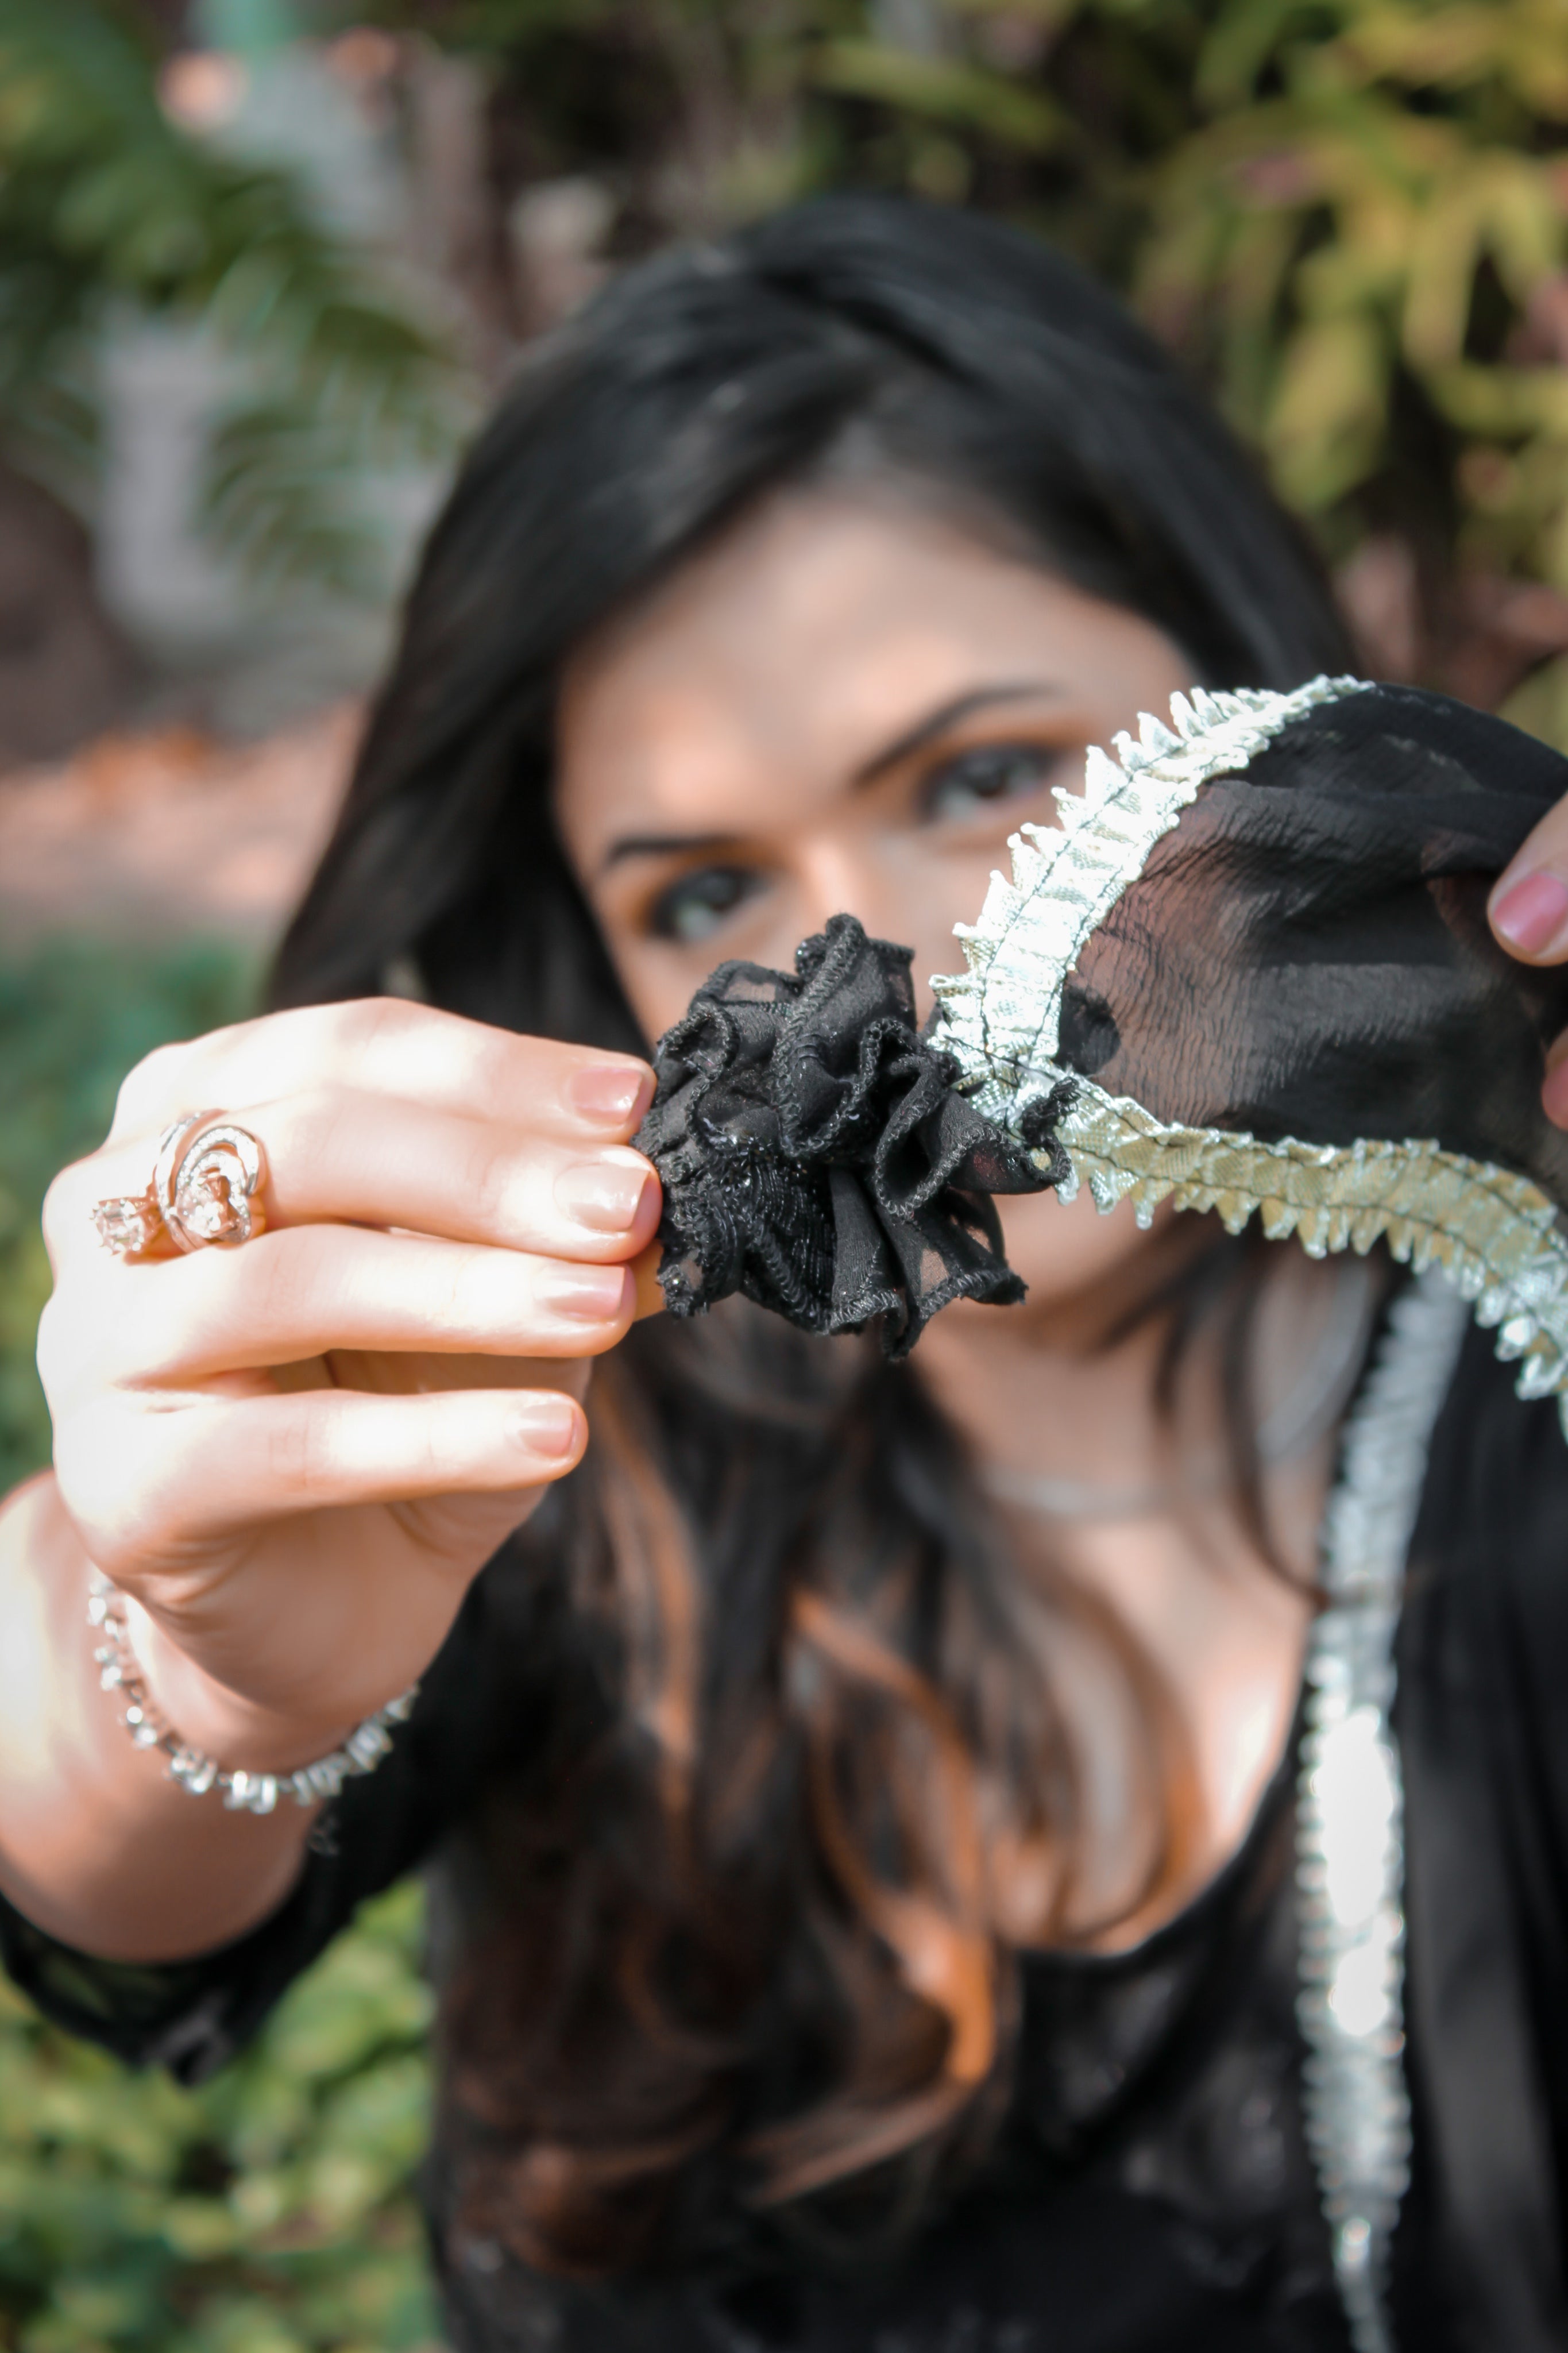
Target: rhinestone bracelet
367 1746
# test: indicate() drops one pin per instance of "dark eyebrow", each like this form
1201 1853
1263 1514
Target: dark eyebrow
662 845
934 725
937 722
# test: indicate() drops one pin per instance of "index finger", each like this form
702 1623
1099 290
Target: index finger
387 1045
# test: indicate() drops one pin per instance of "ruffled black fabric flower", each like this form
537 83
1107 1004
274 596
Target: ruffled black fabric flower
815 1155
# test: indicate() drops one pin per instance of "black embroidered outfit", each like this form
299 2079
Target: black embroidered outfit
1251 973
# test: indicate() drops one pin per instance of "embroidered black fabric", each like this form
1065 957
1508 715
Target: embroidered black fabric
816 1154
1305 954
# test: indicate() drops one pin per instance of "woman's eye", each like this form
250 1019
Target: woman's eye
698 902
994 772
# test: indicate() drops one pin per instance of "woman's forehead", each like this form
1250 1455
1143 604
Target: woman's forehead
794 650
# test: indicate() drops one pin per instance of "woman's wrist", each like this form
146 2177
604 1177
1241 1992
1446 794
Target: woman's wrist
236 1732
98 1846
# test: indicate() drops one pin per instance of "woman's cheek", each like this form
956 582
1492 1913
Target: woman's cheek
1061 1247
656 981
942 889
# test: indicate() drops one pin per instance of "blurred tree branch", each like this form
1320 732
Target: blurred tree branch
1361 239
1348 217
104 202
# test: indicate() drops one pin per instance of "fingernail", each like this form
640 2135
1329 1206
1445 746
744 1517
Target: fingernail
603 1195
1554 1093
546 1424
1530 914
594 1295
615 1092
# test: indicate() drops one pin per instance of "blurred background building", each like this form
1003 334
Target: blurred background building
262 265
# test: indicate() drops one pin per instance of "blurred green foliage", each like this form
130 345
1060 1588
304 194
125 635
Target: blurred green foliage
105 203
1362 240
266 2212
1350 218
269 2212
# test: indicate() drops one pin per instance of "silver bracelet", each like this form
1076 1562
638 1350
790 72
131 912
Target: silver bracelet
367 1746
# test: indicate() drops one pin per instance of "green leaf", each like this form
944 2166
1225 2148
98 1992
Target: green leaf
938 90
102 200
1330 409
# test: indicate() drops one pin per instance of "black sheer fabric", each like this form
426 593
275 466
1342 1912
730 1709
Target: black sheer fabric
1306 954
815 1155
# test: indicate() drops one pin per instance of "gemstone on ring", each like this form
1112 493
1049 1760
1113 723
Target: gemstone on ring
212 1208
127 1224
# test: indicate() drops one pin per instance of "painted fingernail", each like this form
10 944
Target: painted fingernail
591 1294
612 1092
1531 913
603 1195
546 1424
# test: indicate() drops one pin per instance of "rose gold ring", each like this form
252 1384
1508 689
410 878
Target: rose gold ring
205 1192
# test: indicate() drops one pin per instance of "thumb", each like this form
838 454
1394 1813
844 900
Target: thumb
1528 903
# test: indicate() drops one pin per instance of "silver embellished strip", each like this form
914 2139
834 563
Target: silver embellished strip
1350 1803
1001 1015
1497 1235
1474 1233
367 1746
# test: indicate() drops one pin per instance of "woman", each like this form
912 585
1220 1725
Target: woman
861 1796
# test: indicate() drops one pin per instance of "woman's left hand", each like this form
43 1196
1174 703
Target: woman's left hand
1529 911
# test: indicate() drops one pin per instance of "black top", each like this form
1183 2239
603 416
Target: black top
1150 2189
1150 2192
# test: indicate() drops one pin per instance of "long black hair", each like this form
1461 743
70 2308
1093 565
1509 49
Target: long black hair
801 1729
945 347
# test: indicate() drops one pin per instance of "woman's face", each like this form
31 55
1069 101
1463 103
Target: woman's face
845 704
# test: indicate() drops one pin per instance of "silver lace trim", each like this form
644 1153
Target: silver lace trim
1497 1236
1001 1015
1476 1235
1350 1828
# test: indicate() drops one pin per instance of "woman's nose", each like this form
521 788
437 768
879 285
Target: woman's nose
837 878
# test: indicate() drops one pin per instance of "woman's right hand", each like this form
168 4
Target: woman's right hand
294 1455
